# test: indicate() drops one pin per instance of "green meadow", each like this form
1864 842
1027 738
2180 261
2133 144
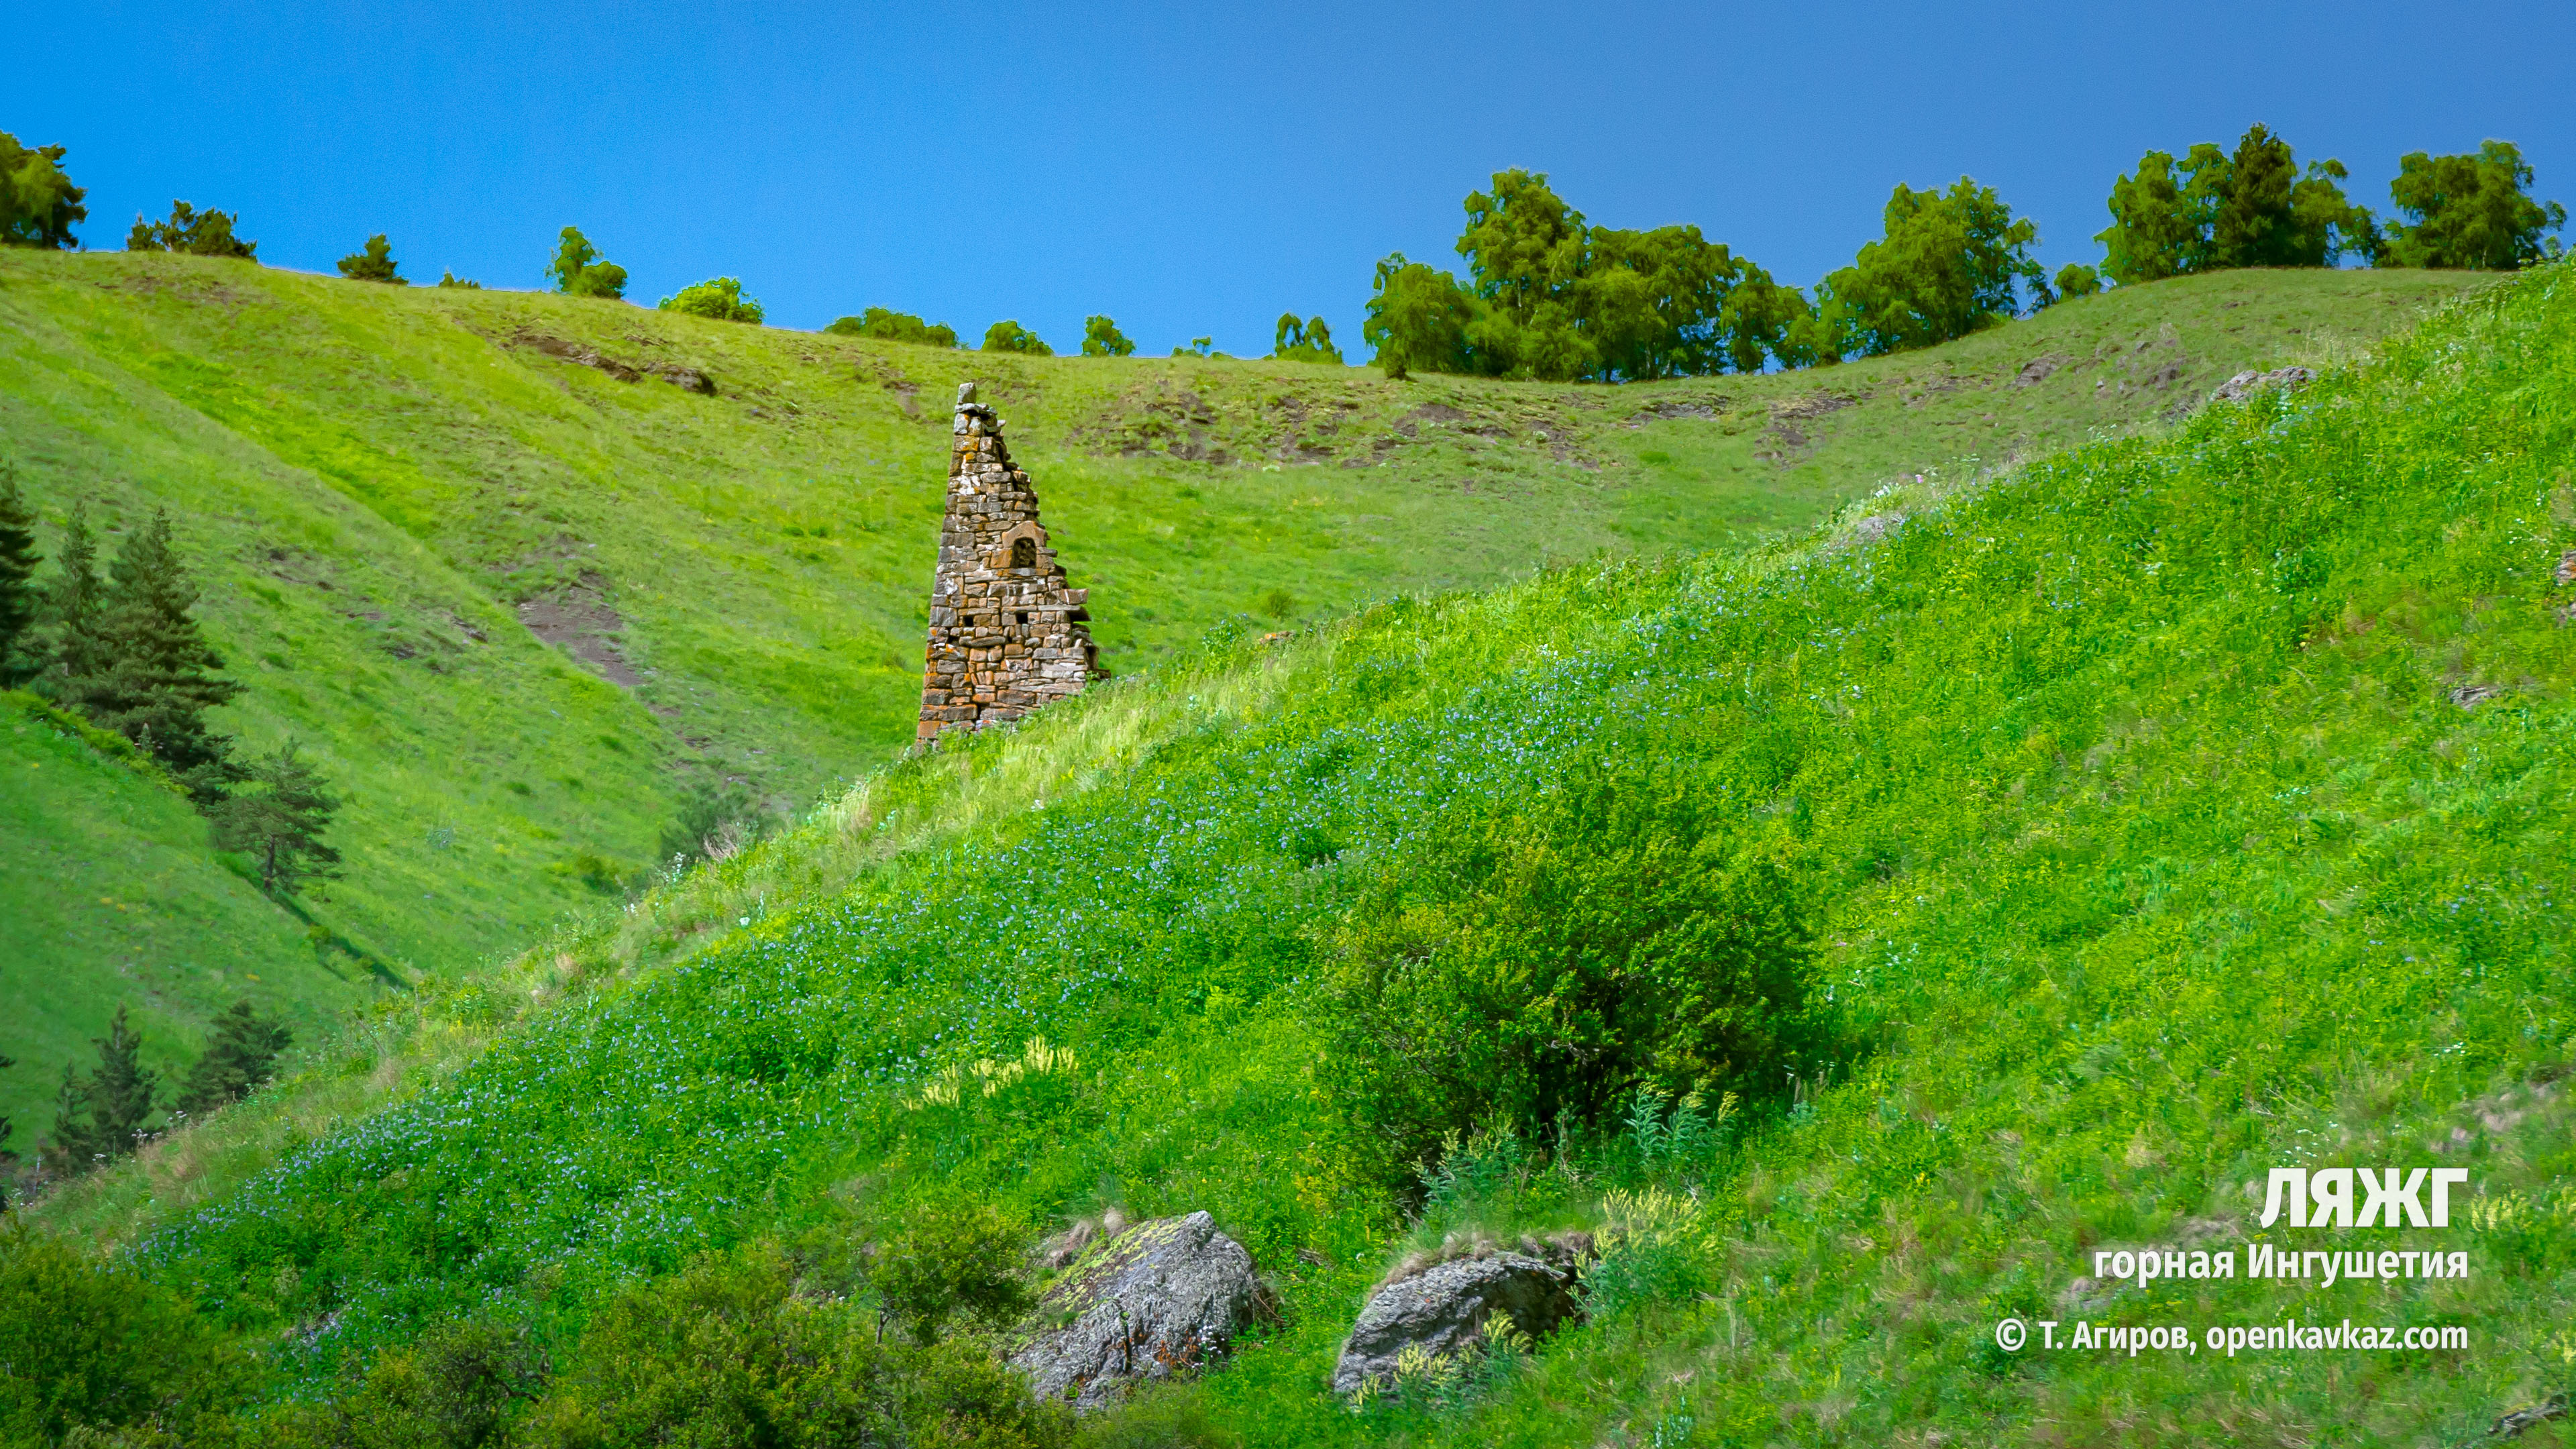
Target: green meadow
2127 799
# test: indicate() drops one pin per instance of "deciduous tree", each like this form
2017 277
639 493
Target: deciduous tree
717 297
1950 263
38 202
1307 341
892 326
1008 336
1101 338
2471 211
580 271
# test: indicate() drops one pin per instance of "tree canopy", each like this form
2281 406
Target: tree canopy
2254 208
2471 212
134 659
197 233
38 202
278 819
580 271
242 1055
101 1116
1307 341
718 297
1101 338
373 262
1552 297
1007 336
891 326
1949 264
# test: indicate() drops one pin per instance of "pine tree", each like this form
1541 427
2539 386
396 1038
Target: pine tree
74 603
153 676
100 1117
18 559
8 1158
242 1055
280 818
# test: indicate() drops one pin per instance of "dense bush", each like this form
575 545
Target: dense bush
198 233
579 270
1546 957
892 326
86 1346
373 262
1009 336
719 297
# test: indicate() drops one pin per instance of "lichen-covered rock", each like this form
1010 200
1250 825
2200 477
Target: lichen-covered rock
1160 1299
1443 1310
2245 384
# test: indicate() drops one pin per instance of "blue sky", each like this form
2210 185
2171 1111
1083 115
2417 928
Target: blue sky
1198 169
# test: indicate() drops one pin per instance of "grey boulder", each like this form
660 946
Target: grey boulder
1159 1300
2245 384
1444 1308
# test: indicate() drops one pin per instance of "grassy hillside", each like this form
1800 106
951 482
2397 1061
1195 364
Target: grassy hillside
514 605
2153 814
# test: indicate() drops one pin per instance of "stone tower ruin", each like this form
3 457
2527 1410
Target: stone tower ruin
1006 635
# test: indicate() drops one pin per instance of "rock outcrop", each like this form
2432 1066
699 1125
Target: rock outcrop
1007 635
1443 1309
2245 384
1161 1299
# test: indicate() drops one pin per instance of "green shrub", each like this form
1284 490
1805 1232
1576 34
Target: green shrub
955 1258
458 1387
717 297
1012 337
373 262
891 326
1546 958
1101 338
197 233
82 1345
580 271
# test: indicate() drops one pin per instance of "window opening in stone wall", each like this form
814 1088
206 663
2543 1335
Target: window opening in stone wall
1024 553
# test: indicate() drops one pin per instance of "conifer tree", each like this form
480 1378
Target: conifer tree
158 675
101 1117
74 602
280 818
373 262
8 1158
242 1055
18 560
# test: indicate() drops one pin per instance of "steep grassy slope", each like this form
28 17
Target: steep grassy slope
2157 813
385 489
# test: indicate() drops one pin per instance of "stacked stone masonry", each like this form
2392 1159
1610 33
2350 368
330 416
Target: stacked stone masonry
1006 635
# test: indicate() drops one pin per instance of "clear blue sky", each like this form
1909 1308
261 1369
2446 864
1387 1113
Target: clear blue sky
1199 168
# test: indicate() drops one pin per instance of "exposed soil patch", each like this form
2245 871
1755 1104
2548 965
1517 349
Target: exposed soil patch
687 379
2037 370
578 621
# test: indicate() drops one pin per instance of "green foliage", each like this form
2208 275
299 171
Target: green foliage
1543 960
87 1347
135 659
715 822
2077 280
104 1114
1554 298
956 1257
891 326
1307 341
461 1385
2471 211
580 271
276 814
242 1055
1950 264
728 1352
20 654
2251 209
372 263
1198 347
1012 337
450 279
197 233
38 202
719 297
1101 338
